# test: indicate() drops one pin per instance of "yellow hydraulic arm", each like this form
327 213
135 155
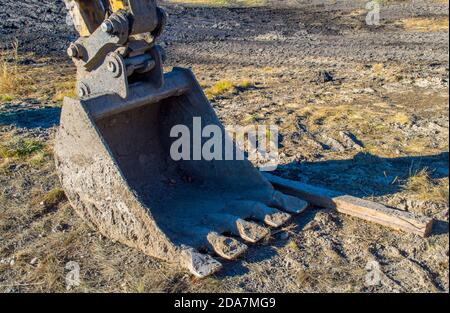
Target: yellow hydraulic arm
87 15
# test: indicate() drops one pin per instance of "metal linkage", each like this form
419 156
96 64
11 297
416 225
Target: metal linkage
116 54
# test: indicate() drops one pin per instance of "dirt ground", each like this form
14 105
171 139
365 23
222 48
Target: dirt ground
361 109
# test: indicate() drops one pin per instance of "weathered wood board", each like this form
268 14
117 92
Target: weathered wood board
357 207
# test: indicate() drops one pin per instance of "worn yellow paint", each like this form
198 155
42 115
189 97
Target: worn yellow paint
87 15
117 5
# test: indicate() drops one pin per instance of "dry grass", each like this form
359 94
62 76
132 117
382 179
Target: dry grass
220 88
425 188
391 73
425 24
12 78
318 117
6 98
64 89
377 68
53 198
358 12
21 150
42 80
224 87
400 118
370 122
417 146
292 245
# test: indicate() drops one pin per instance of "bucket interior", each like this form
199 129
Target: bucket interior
178 193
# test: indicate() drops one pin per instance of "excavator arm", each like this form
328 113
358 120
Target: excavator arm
88 15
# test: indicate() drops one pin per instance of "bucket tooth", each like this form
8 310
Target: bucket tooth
200 265
249 231
288 203
259 211
227 247
277 219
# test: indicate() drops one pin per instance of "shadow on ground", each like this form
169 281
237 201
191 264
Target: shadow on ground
29 118
366 174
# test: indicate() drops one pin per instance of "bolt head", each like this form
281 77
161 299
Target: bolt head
107 27
112 67
72 51
83 90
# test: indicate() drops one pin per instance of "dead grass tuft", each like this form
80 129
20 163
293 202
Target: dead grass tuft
357 12
16 80
425 188
10 77
425 24
377 68
390 73
400 118
53 198
50 272
227 87
292 245
326 115
245 84
6 98
22 150
64 89
219 89
45 80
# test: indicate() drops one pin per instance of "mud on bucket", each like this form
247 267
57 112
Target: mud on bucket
114 162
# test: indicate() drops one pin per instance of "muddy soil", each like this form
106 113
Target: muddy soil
361 109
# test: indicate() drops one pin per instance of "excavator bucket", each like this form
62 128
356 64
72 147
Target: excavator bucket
113 156
114 148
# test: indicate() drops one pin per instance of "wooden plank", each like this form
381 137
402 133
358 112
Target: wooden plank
357 207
